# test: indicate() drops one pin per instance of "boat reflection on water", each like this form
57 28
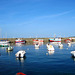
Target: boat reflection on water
36 47
73 58
21 59
51 52
19 44
55 43
40 43
9 52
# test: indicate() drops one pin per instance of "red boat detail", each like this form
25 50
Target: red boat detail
20 73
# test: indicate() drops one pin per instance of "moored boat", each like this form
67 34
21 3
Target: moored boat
20 73
9 48
50 48
60 46
19 41
20 54
4 45
37 45
55 40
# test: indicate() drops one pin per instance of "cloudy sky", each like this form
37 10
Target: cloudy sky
37 18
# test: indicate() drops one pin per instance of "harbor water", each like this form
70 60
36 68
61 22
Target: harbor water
38 61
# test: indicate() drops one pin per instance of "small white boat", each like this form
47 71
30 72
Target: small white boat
20 54
9 48
37 45
47 45
50 48
69 44
73 53
60 46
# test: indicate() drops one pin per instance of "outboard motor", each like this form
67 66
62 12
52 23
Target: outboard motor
19 55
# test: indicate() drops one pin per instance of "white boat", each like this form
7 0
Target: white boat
37 45
55 39
20 54
4 44
9 48
60 46
4 41
69 43
73 53
19 41
50 48
47 45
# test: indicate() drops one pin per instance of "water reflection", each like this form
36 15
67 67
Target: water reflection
73 58
21 59
60 47
9 52
19 44
51 52
40 43
55 43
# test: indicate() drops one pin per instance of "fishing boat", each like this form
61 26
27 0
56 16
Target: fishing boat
55 40
38 40
69 43
67 40
19 41
20 54
9 48
73 53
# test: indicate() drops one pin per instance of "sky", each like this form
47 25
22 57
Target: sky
37 18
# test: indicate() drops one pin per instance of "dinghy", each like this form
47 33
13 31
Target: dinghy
20 54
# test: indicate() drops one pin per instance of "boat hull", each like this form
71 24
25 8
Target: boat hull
55 39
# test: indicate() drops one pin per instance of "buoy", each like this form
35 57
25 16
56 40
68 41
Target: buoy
20 73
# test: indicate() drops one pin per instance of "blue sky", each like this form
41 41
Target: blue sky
37 18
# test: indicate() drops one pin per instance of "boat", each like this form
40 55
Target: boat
38 40
60 46
73 53
55 40
67 40
9 48
47 45
4 41
50 48
19 41
20 54
4 45
37 45
69 43
20 73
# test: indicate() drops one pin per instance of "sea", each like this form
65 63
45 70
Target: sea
38 61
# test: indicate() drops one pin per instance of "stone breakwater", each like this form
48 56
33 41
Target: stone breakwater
12 40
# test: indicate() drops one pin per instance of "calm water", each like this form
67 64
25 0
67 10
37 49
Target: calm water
38 61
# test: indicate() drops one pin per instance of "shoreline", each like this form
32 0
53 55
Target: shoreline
12 40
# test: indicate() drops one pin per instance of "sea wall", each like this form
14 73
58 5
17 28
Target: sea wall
12 40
